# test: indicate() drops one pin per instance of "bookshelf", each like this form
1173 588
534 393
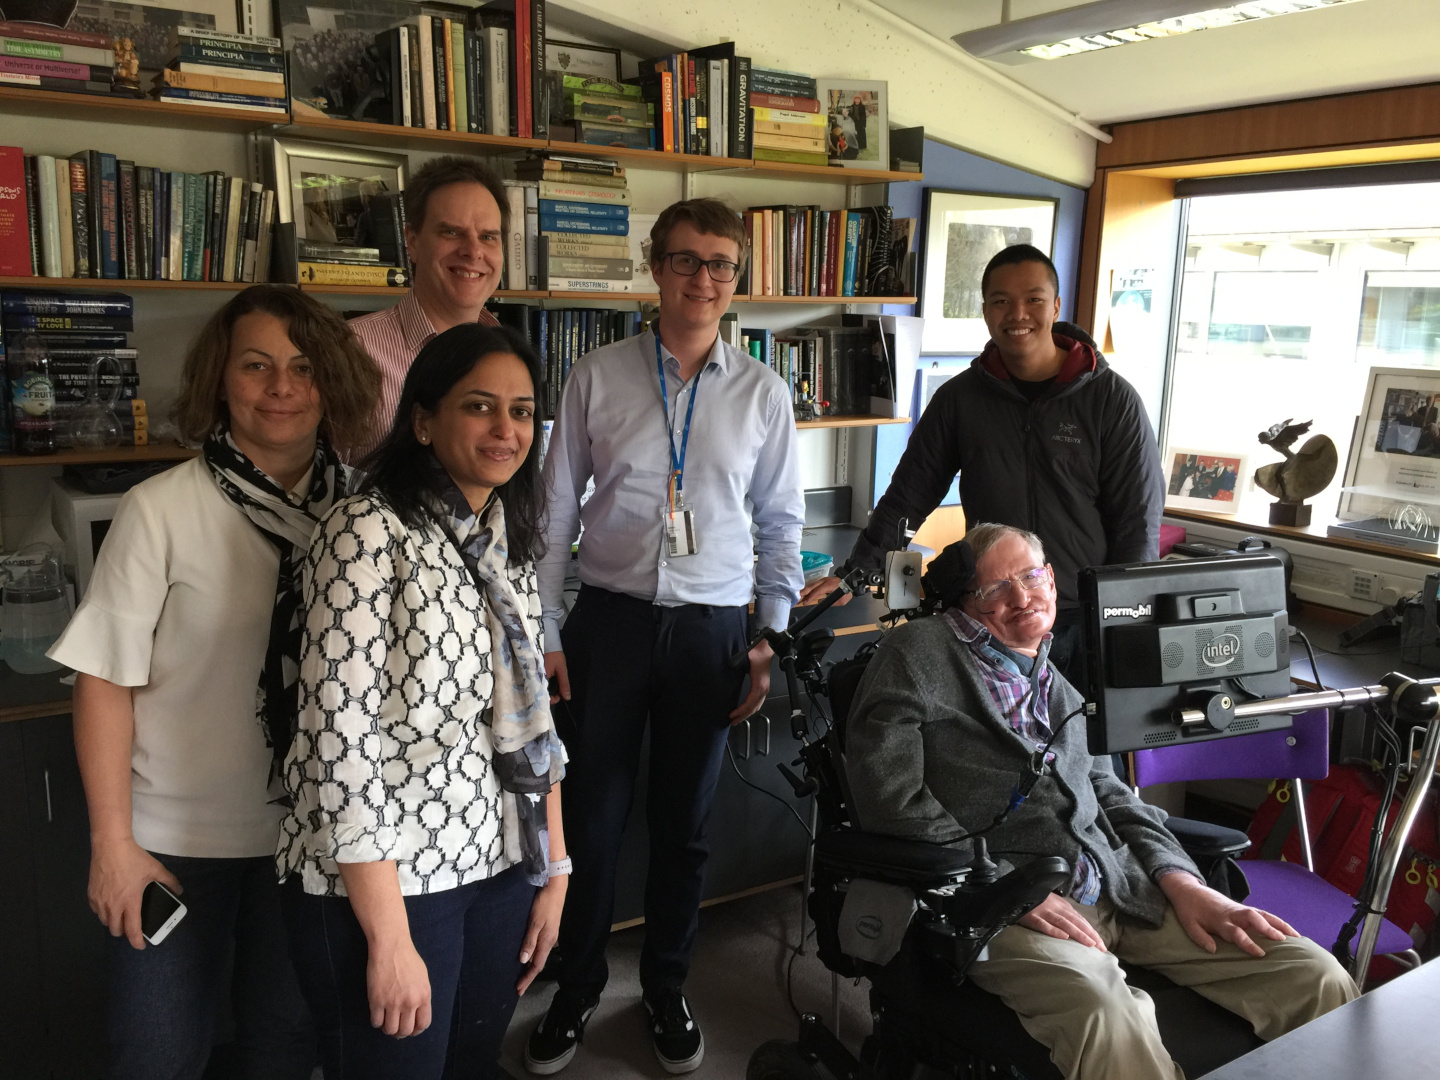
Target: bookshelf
125 110
119 455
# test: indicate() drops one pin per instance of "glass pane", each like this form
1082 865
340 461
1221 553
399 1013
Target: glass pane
1400 320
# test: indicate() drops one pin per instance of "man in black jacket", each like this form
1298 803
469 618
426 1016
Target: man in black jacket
1045 437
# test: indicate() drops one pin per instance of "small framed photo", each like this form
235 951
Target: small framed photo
1205 480
857 122
963 231
577 58
1394 462
324 189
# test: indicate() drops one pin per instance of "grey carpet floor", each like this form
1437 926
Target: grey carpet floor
736 991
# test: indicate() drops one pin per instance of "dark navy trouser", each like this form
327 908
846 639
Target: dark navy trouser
631 662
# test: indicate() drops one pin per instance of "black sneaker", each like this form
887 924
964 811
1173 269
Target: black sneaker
678 1042
552 1044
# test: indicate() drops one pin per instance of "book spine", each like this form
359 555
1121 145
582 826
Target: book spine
744 119
583 209
87 323
442 73
57 304
515 273
49 215
220 71
532 235
715 93
252 233
127 218
192 236
667 111
785 102
222 39
267 232
38 32
254 101
109 217
398 51
161 213
64 215
427 73
312 273
230 57
474 82
235 256
417 80
217 191
52 50
447 51
144 221
458 78
595 284
104 340
601 247
64 86
184 80
701 71
539 103
552 223
14 218
524 118
497 79
852 251
614 269
54 69
790 116
32 212
175 238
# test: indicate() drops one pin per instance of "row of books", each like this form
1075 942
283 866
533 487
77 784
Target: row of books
217 70
483 73
45 57
562 336
93 215
807 251
831 370
73 349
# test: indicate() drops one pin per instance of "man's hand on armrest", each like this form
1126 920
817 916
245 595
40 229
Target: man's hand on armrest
1206 914
1054 917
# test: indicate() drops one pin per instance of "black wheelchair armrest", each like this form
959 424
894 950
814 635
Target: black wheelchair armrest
1202 840
891 859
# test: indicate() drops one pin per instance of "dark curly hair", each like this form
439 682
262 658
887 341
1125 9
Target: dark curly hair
407 475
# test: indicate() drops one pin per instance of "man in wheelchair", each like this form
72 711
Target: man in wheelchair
951 710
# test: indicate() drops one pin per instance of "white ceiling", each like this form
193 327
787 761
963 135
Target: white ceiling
1358 46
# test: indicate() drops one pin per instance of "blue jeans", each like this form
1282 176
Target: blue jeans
163 998
469 938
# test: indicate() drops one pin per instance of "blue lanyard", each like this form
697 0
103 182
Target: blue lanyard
677 462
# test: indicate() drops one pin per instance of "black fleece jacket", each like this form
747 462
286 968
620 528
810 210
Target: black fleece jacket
1078 466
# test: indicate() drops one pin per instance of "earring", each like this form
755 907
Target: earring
424 440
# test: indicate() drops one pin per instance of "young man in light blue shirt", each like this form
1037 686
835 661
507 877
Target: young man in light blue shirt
697 511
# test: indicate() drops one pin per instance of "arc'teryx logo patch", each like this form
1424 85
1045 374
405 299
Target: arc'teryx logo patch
1067 433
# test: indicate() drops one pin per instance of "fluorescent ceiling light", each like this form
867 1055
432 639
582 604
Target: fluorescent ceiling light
1108 23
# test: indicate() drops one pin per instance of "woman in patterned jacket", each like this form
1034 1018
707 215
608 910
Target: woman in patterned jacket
424 858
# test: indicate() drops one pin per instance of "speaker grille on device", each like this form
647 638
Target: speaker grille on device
1174 654
1264 645
1157 738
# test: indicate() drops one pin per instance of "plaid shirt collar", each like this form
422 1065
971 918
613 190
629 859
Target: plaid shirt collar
1023 700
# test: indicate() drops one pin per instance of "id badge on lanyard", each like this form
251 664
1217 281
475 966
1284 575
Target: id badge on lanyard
680 534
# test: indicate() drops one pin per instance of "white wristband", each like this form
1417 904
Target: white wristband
560 866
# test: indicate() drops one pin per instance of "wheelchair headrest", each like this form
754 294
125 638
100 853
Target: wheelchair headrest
950 575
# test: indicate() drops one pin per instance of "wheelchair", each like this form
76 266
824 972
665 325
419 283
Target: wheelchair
929 1021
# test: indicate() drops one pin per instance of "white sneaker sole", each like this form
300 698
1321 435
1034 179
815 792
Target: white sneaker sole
549 1068
690 1064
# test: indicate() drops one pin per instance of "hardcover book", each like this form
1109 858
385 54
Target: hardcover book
14 214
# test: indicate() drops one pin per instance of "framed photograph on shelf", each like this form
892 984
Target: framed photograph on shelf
575 58
147 23
857 122
1391 493
1204 480
323 190
962 231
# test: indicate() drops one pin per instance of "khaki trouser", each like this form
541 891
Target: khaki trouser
1074 999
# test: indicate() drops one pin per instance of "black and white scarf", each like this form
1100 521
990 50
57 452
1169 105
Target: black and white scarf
289 525
528 756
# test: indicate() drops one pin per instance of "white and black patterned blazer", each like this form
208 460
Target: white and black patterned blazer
392 756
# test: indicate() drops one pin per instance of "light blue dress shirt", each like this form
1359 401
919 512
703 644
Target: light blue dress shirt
742 469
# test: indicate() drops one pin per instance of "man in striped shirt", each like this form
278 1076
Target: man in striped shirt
456 217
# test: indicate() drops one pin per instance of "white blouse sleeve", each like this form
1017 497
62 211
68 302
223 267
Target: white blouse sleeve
112 633
340 752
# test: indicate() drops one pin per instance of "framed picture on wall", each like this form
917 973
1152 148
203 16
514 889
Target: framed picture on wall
324 189
1208 480
962 231
857 122
148 23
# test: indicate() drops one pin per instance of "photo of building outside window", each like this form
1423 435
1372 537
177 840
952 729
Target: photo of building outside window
1288 299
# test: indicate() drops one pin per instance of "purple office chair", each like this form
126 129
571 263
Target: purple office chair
1294 892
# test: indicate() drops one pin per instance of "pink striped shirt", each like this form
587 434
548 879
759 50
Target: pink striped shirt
392 338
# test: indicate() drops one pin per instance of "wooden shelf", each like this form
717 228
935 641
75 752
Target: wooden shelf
135 110
118 284
824 300
324 128
120 455
850 421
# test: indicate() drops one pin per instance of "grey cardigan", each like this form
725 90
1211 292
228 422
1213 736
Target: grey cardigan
929 754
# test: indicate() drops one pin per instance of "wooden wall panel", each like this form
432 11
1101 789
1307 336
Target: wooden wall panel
1367 118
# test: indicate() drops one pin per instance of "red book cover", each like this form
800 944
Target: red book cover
14 214
832 252
780 101
524 62
38 32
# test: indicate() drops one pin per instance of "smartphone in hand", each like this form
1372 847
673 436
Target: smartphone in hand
160 912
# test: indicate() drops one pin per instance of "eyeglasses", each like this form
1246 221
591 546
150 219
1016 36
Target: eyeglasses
1034 578
687 265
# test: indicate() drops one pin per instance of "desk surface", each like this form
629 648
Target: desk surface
1383 1034
1362 665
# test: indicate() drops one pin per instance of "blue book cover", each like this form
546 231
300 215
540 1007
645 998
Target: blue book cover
852 250
551 223
109 216
557 208
177 93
